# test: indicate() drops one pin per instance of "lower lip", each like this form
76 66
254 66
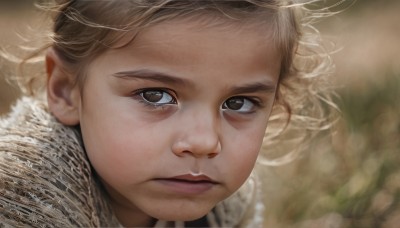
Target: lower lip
190 188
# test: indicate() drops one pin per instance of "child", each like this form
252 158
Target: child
155 113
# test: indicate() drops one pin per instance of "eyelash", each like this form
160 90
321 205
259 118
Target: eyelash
253 101
139 95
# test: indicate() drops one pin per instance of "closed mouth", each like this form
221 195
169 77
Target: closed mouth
190 179
188 184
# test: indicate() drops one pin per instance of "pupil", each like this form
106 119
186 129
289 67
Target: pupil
235 104
153 96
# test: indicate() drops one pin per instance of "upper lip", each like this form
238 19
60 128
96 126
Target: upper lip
192 178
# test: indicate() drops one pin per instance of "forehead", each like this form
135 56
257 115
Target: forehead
201 21
202 33
196 49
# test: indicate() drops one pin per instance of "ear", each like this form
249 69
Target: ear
63 96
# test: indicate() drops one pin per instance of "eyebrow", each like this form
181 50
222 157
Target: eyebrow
145 74
255 87
151 75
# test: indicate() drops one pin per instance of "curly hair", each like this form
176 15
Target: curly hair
83 30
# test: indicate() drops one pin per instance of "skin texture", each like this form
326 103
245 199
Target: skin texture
134 144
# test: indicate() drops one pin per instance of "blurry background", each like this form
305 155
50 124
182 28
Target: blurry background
348 179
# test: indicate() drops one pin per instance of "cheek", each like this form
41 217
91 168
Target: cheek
242 151
119 146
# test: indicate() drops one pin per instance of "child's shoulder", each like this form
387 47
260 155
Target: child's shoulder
46 178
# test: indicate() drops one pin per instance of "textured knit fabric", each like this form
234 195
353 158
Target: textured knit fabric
46 179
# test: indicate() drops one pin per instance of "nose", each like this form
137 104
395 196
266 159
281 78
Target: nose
198 136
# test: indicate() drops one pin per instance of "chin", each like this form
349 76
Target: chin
182 213
185 217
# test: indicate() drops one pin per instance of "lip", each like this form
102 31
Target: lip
187 184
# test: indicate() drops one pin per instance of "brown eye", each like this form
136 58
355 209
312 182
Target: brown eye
239 104
235 103
158 97
152 96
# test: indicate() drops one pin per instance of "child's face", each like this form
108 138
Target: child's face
181 100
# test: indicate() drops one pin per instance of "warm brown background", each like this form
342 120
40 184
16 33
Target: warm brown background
350 179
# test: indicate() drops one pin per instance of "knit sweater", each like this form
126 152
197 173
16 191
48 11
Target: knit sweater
46 179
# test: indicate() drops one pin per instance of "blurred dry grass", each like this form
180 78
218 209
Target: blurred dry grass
13 18
350 178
